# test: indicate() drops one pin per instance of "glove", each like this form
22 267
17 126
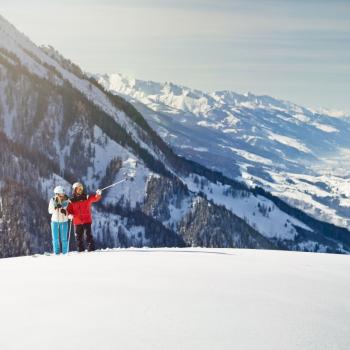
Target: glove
64 211
58 206
99 192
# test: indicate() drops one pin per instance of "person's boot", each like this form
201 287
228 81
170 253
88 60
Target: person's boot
91 246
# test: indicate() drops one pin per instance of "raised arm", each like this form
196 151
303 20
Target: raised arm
94 198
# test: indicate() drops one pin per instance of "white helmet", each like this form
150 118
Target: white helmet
77 184
59 190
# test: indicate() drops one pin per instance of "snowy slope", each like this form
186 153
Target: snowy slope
44 66
176 299
287 149
271 222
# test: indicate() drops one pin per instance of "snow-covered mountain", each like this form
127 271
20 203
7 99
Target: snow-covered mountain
58 125
186 299
298 154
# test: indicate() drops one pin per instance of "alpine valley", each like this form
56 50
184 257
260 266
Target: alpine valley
211 170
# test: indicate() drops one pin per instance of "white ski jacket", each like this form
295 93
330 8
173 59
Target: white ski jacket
56 215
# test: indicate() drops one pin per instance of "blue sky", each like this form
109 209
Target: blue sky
296 50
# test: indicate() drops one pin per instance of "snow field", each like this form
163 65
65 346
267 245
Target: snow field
176 299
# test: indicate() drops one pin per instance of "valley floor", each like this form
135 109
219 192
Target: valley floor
176 299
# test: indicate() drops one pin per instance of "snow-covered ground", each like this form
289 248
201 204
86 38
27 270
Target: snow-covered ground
176 299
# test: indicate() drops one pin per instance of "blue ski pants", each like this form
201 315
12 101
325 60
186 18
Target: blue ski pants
59 234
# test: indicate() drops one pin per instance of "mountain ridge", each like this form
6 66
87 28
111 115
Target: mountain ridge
119 82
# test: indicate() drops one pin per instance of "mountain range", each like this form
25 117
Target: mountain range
59 124
298 154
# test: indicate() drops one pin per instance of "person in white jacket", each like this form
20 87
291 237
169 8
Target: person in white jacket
59 220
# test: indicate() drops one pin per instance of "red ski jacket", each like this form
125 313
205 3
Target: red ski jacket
80 208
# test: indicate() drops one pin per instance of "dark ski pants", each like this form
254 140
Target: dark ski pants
79 235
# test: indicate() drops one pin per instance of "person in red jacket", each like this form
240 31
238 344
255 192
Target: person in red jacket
80 208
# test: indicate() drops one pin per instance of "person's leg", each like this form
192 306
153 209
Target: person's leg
55 237
79 236
89 238
64 236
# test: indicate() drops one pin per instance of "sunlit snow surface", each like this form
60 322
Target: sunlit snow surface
176 299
